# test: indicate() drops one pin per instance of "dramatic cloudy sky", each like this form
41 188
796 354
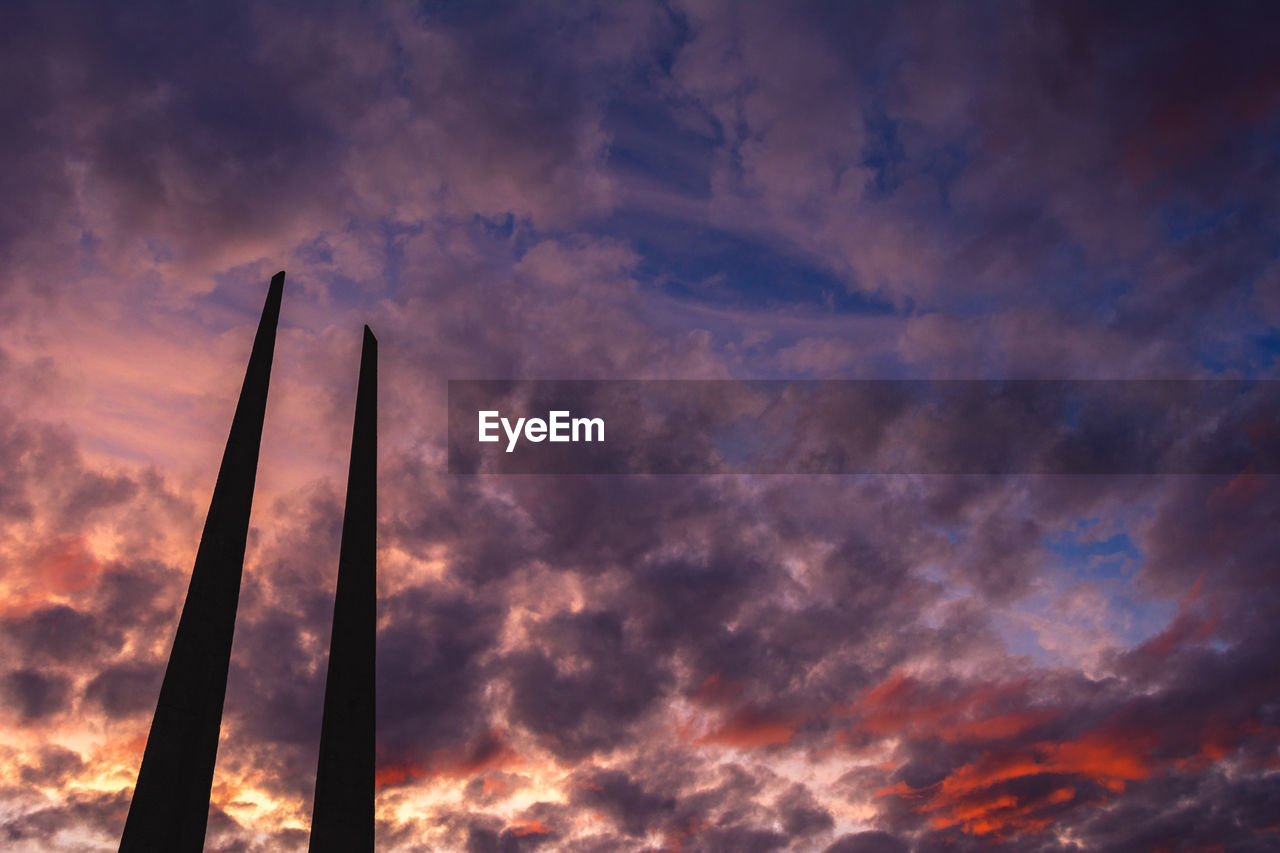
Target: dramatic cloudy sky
642 190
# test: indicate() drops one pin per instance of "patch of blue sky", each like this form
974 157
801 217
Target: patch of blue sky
504 239
665 152
883 153
944 164
1083 603
699 263
1250 352
650 145
1088 555
345 292
1268 349
1021 639
1180 221
235 299
1248 356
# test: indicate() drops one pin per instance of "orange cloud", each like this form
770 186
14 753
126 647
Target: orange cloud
749 729
58 569
1242 489
903 706
976 798
529 827
743 727
490 751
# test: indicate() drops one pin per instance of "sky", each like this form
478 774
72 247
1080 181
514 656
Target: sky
642 190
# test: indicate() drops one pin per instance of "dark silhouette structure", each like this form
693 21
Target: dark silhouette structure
342 816
170 805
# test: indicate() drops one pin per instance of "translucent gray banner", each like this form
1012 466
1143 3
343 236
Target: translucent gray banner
1100 427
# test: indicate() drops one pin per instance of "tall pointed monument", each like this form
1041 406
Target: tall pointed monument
342 815
170 805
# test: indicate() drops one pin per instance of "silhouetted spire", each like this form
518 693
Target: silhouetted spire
342 817
170 805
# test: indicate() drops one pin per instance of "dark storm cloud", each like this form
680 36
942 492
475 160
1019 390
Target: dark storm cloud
100 812
1217 526
35 695
125 690
802 814
613 681
430 664
31 454
1043 113
159 140
96 491
1113 91
465 517
63 634
481 840
1188 810
625 801
663 794
137 595
106 122
54 765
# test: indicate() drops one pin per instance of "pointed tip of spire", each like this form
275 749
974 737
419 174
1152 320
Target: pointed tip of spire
368 335
277 286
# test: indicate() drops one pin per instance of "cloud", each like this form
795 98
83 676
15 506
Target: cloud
868 842
688 190
35 695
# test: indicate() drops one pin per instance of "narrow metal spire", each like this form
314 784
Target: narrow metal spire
342 817
170 805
